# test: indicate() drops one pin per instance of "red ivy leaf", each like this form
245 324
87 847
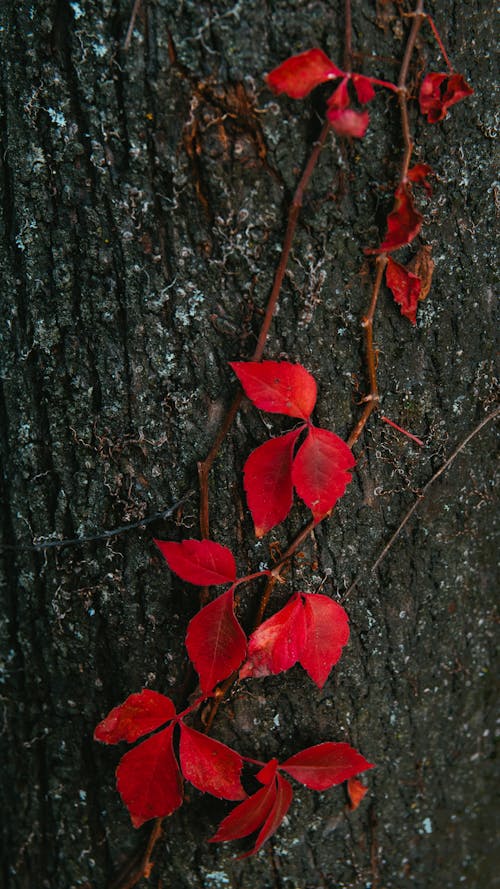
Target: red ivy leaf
326 632
247 817
268 772
439 92
356 792
210 766
201 562
340 98
139 714
364 88
148 779
419 173
325 765
282 802
278 386
319 470
299 75
310 629
405 288
403 222
276 645
268 481
215 641
349 122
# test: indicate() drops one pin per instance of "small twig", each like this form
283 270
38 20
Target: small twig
131 24
403 431
136 872
440 43
372 399
102 535
423 492
418 18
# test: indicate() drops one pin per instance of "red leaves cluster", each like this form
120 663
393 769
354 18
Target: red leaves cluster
300 74
319 768
318 470
311 630
439 92
149 779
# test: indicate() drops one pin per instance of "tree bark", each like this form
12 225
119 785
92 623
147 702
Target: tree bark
144 203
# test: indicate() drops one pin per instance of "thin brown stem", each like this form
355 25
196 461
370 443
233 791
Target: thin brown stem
463 444
130 30
418 18
439 42
347 36
372 399
293 215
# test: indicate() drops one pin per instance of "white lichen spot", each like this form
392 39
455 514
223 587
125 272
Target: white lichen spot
78 12
56 117
427 825
216 878
276 720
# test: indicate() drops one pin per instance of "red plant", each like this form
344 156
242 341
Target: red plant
311 629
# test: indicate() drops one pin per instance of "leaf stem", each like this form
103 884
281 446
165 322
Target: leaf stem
440 43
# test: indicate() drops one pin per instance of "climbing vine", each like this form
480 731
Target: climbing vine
309 461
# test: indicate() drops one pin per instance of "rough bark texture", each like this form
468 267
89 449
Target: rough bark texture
143 210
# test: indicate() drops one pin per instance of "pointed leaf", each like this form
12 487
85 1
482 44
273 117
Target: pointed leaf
268 481
349 122
319 470
280 807
276 645
268 772
247 817
215 641
356 792
325 764
148 779
139 714
210 766
364 88
299 75
326 632
405 288
278 386
201 562
403 222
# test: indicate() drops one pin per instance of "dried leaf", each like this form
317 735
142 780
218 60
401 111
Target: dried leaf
405 287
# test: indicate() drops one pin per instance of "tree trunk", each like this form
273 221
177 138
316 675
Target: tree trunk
145 191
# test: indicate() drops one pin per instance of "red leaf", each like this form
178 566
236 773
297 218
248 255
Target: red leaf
349 122
325 764
268 481
326 632
403 222
139 714
364 88
268 772
340 98
319 470
210 766
301 73
215 641
439 92
280 807
356 792
201 562
276 645
148 779
419 173
278 386
247 817
405 288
